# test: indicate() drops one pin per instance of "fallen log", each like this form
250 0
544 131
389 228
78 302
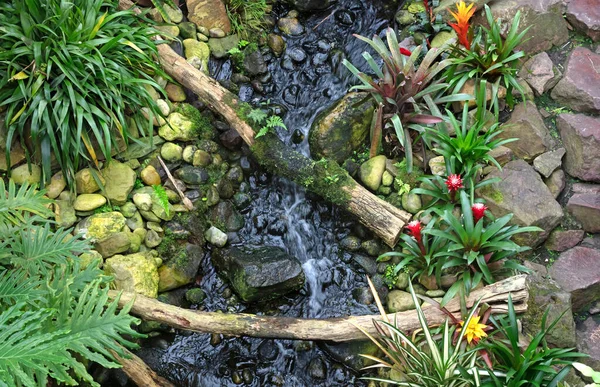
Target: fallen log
140 373
327 180
332 329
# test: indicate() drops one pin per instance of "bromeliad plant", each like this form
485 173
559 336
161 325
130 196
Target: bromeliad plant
487 55
420 251
476 240
431 357
400 88
535 365
70 74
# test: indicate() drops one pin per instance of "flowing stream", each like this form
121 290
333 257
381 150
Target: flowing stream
282 214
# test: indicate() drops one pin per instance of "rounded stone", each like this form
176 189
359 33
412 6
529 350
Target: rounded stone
152 239
195 296
22 174
276 44
171 152
89 202
188 153
56 186
142 201
150 176
201 158
399 301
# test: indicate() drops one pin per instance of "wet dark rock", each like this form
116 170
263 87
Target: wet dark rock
268 350
254 63
290 94
225 189
290 26
245 164
221 126
287 64
320 58
175 297
181 267
236 377
310 5
317 368
245 93
238 78
577 271
235 175
242 201
277 228
368 264
370 247
297 136
350 243
296 54
363 295
348 353
225 216
248 376
195 296
192 175
561 240
192 194
341 129
581 138
584 205
276 44
260 222
579 88
215 339
257 86
521 191
231 139
344 17
258 274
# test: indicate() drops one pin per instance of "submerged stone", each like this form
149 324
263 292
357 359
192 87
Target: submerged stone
259 274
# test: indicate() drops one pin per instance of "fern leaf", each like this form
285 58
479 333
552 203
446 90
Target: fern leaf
38 248
276 121
257 116
264 130
14 203
16 287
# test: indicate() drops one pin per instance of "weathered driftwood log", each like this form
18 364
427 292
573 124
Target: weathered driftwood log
328 180
333 329
140 373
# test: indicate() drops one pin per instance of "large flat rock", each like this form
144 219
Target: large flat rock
581 138
585 206
528 126
578 271
584 15
579 88
522 192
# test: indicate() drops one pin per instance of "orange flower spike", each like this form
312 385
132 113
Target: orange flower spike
462 15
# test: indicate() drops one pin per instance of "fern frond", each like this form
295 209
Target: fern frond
38 248
16 287
276 121
13 203
257 115
36 343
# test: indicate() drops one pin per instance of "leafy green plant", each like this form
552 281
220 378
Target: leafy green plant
489 56
535 365
246 16
420 251
70 72
430 357
54 313
400 90
588 372
475 242
163 199
268 123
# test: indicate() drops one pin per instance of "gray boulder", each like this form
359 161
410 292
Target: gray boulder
310 5
522 192
258 274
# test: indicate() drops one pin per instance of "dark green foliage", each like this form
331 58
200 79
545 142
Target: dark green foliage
54 313
492 56
247 16
69 74
534 365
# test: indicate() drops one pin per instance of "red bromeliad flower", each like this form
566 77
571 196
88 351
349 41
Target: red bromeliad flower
405 52
462 16
414 229
478 211
454 182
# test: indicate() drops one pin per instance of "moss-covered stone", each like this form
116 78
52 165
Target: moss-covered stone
340 130
181 268
134 273
100 226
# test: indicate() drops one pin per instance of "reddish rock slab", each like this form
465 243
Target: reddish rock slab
585 206
539 72
584 15
578 271
528 126
522 192
556 182
561 240
579 88
581 138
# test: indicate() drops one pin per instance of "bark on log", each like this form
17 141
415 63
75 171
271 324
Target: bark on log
333 329
140 373
385 220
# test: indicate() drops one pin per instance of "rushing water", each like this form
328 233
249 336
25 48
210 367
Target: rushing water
282 214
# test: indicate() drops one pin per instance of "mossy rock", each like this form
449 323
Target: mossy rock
134 273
